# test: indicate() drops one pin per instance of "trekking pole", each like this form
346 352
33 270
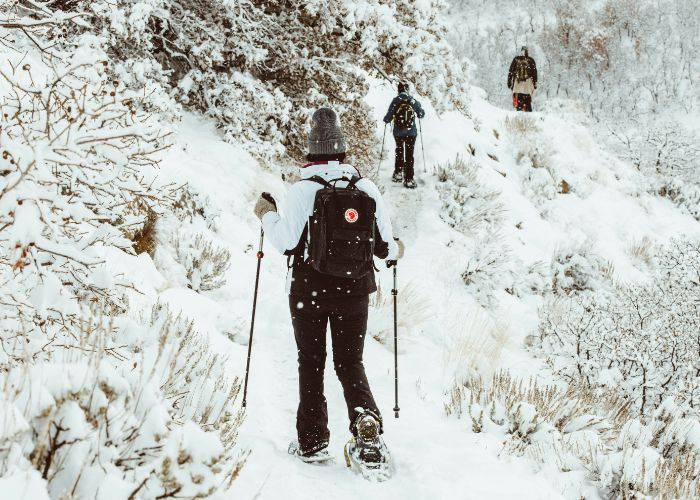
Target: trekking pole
395 292
260 256
422 146
381 155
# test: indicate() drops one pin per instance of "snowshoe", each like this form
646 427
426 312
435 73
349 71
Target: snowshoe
410 184
366 453
318 456
397 177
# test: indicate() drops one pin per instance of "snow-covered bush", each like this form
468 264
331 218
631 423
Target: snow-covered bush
592 435
533 154
205 265
467 204
191 205
668 154
530 279
525 412
642 339
616 59
99 399
657 457
576 268
414 312
263 87
522 126
78 158
476 341
488 268
154 417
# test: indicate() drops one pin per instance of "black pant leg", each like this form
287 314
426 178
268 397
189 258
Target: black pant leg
398 154
528 102
410 145
348 320
310 322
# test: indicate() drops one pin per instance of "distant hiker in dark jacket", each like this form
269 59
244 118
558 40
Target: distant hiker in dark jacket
316 299
403 111
522 80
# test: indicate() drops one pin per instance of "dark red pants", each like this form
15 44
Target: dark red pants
522 102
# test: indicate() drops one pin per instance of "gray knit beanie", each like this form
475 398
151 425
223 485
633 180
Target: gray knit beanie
325 138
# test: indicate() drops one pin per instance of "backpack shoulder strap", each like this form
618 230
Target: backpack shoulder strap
352 183
320 180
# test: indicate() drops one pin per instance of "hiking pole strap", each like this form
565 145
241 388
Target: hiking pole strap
395 292
260 256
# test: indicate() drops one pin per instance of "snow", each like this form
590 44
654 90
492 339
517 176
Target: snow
435 455
23 485
445 334
431 452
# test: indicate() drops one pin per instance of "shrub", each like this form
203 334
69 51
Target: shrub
263 88
576 428
643 339
488 268
668 155
467 204
575 268
153 418
205 265
97 394
414 311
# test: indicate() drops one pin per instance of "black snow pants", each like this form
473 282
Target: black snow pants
348 320
404 156
523 102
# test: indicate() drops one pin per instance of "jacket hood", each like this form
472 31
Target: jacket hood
329 170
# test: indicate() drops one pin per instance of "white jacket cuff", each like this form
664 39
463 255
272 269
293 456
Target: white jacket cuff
269 219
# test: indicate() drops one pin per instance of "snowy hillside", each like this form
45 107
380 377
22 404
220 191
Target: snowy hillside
548 299
445 334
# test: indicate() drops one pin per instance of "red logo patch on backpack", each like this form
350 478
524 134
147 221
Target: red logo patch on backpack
351 215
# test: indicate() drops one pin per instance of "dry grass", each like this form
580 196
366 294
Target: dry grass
479 342
641 250
520 125
413 310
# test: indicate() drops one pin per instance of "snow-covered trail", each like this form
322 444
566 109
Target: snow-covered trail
435 457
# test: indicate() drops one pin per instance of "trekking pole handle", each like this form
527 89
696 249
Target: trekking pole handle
268 197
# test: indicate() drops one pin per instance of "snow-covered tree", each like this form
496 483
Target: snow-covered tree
98 395
642 339
261 68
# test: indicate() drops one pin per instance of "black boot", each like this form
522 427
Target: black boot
366 452
367 439
410 184
397 177
317 455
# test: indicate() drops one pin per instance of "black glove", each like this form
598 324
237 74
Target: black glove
390 263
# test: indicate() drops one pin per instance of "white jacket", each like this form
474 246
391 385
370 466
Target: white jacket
283 228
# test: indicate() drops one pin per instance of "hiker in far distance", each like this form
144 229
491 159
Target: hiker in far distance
522 80
403 111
